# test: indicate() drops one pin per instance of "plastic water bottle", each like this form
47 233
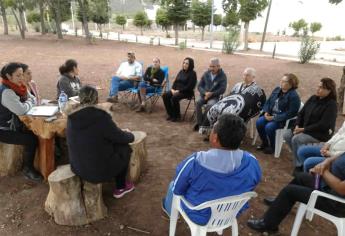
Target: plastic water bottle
63 98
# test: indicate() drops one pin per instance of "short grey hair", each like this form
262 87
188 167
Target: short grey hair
250 71
215 61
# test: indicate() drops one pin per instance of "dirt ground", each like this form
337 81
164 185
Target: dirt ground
21 201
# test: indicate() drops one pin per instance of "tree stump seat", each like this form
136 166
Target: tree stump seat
73 201
11 158
138 156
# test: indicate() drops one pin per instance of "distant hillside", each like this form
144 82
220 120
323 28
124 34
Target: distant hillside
129 7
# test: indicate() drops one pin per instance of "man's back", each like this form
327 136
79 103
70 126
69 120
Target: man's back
214 174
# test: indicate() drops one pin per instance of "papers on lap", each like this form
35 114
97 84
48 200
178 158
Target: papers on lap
43 111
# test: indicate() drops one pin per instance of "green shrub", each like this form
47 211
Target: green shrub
182 45
308 50
231 40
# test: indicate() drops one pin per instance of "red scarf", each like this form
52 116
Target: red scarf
20 90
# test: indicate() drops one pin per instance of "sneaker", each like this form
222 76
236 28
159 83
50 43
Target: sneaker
32 174
119 193
196 127
141 108
113 99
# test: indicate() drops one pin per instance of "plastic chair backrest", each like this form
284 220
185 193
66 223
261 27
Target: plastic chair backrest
224 210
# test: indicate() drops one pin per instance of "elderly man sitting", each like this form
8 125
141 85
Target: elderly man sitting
211 86
127 76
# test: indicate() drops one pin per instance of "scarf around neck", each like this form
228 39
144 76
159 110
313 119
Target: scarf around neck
20 90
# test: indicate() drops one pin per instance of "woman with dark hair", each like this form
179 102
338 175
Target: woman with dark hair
98 149
29 83
183 87
282 105
16 101
69 81
316 121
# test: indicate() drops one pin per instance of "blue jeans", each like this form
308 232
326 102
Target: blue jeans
267 131
148 87
309 156
167 201
118 84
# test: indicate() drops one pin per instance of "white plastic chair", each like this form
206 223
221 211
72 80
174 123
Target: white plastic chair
310 210
279 140
223 214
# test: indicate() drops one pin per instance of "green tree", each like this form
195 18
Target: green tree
99 13
247 10
18 5
41 6
230 19
335 1
162 20
121 20
297 26
217 19
57 9
309 48
314 27
201 15
3 6
33 17
177 12
140 20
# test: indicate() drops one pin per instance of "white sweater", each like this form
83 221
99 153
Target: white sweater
337 142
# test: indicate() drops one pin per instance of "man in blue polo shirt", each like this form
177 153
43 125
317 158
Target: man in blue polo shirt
222 171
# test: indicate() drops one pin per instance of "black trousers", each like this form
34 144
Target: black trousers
172 103
27 139
298 190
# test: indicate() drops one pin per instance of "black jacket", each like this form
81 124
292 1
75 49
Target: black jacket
159 75
318 117
98 149
185 82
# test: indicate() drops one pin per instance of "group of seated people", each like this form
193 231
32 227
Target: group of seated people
99 151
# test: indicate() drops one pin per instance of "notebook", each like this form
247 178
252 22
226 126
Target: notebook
43 111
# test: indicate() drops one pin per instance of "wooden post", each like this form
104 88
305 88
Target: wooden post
341 95
138 157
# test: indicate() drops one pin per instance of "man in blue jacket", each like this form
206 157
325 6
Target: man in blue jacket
222 171
212 84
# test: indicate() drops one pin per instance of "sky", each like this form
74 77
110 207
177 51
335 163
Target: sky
332 17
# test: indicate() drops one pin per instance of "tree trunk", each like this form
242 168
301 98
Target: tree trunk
166 32
202 33
123 27
341 95
246 27
11 159
85 24
100 30
21 30
57 10
4 17
176 34
73 201
138 156
141 30
43 27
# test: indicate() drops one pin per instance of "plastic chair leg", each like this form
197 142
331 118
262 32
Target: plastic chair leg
185 112
278 143
234 228
298 220
173 218
341 227
255 137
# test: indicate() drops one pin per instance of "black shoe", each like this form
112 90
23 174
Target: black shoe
268 150
269 200
261 147
32 174
196 127
297 170
260 226
169 118
175 119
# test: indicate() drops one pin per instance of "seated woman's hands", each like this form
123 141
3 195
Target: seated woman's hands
268 116
173 91
325 150
321 167
298 130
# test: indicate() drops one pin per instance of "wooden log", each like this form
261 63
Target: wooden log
11 158
138 157
72 201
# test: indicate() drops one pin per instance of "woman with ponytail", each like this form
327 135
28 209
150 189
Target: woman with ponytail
15 101
69 81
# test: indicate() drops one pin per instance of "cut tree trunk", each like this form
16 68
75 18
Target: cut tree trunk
176 34
341 95
72 201
246 28
138 157
11 159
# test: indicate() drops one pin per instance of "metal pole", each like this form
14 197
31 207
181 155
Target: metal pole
266 22
72 14
211 31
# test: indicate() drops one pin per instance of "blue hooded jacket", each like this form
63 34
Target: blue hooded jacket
199 184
